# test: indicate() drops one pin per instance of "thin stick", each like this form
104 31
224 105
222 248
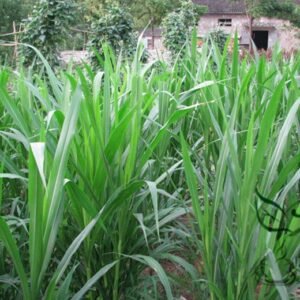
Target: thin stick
12 33
80 30
7 44
16 41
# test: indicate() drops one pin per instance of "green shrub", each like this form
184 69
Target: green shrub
175 33
114 28
46 30
178 25
219 37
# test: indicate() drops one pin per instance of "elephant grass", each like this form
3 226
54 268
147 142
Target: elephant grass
107 173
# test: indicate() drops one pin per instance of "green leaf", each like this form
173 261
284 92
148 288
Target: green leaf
153 264
10 244
92 281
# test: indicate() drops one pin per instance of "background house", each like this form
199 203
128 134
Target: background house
231 17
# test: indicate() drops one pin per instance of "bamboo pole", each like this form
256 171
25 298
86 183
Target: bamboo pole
12 33
7 44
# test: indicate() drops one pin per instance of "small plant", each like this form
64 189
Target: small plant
46 30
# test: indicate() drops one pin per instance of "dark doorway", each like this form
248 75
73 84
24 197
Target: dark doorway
260 39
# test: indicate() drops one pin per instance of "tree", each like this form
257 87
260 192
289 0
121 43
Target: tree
282 9
151 12
177 25
92 8
143 12
46 29
285 10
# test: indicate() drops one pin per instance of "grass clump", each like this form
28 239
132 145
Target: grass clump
107 175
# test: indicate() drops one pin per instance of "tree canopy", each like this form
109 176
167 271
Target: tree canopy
286 10
151 10
11 11
142 11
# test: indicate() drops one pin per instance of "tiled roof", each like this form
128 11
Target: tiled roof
223 6
226 6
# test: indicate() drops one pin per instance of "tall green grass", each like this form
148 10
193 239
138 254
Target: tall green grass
107 174
250 148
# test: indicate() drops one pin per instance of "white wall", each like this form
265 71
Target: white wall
279 31
209 23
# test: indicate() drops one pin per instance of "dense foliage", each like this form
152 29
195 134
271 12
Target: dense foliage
219 37
114 28
286 10
46 29
142 11
151 12
11 11
175 33
114 181
178 25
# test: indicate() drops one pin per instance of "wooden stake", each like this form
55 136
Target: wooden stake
16 41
